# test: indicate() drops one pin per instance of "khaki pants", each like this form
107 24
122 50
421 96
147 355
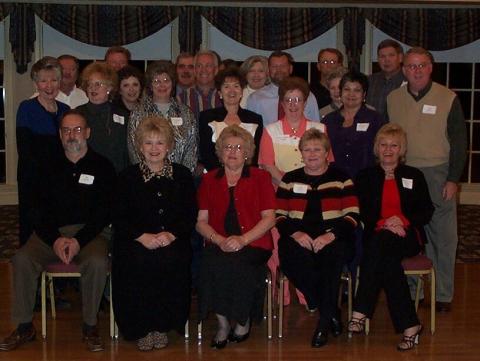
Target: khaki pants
32 258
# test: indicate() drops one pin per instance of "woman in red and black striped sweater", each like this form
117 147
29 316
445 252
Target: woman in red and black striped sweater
317 212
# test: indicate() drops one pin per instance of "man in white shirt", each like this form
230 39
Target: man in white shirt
265 101
69 93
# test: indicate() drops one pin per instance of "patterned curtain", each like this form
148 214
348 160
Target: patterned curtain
433 29
190 29
353 36
22 35
272 28
105 25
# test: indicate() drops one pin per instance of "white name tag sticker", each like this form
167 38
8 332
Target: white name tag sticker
407 183
300 188
86 179
119 119
176 121
429 109
362 127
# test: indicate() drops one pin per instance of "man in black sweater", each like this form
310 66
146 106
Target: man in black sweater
72 209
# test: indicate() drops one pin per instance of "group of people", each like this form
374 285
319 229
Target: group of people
191 173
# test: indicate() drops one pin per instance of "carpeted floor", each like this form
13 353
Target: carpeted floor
468 229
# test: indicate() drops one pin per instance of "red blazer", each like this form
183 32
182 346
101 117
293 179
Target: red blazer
254 193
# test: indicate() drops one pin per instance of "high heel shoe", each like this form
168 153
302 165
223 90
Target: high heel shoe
409 342
356 325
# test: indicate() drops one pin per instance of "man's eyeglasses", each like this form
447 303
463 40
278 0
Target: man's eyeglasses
74 130
328 62
414 67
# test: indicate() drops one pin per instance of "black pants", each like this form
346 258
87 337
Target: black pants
381 267
316 275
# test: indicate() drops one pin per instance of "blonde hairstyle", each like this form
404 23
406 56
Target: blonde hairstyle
314 134
238 132
154 125
105 71
391 130
251 61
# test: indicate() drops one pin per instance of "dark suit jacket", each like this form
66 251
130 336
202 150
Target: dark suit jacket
416 203
207 148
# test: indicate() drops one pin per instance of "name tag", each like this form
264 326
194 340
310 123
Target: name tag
407 183
287 140
118 119
86 179
429 109
176 121
362 127
300 188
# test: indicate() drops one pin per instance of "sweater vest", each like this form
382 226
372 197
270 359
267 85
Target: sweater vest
425 123
285 147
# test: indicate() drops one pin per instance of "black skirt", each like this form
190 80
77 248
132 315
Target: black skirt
232 284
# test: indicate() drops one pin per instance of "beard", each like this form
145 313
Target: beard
73 146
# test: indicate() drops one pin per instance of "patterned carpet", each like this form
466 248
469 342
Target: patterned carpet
468 228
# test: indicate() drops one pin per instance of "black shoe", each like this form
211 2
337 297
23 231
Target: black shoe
93 340
218 345
320 338
336 326
17 339
234 338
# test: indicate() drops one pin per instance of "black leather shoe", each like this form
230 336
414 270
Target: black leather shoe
319 338
218 345
336 326
234 338
17 339
93 340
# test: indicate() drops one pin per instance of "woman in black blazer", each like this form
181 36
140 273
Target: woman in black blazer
230 84
394 206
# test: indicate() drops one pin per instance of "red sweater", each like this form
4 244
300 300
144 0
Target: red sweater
253 194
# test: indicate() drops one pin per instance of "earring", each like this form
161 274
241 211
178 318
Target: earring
108 92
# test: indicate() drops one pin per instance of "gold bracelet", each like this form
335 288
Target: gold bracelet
211 237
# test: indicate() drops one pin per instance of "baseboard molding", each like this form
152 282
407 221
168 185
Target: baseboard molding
8 194
470 194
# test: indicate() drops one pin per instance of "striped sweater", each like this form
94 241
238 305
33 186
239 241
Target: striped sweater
317 204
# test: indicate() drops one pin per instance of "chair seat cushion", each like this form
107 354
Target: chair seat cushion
418 262
61 267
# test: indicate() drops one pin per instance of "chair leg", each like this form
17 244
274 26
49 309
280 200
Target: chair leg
44 306
52 297
417 294
113 324
187 332
350 297
199 331
433 299
269 308
367 326
280 305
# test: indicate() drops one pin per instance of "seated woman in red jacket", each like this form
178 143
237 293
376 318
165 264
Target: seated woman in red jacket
394 207
236 211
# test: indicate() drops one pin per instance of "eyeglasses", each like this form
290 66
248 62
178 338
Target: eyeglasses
293 100
74 130
159 81
96 84
233 148
414 67
328 62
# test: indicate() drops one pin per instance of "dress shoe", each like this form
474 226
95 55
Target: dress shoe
319 338
336 326
443 306
93 340
234 338
17 339
218 344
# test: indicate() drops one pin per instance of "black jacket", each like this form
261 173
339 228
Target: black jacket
416 203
